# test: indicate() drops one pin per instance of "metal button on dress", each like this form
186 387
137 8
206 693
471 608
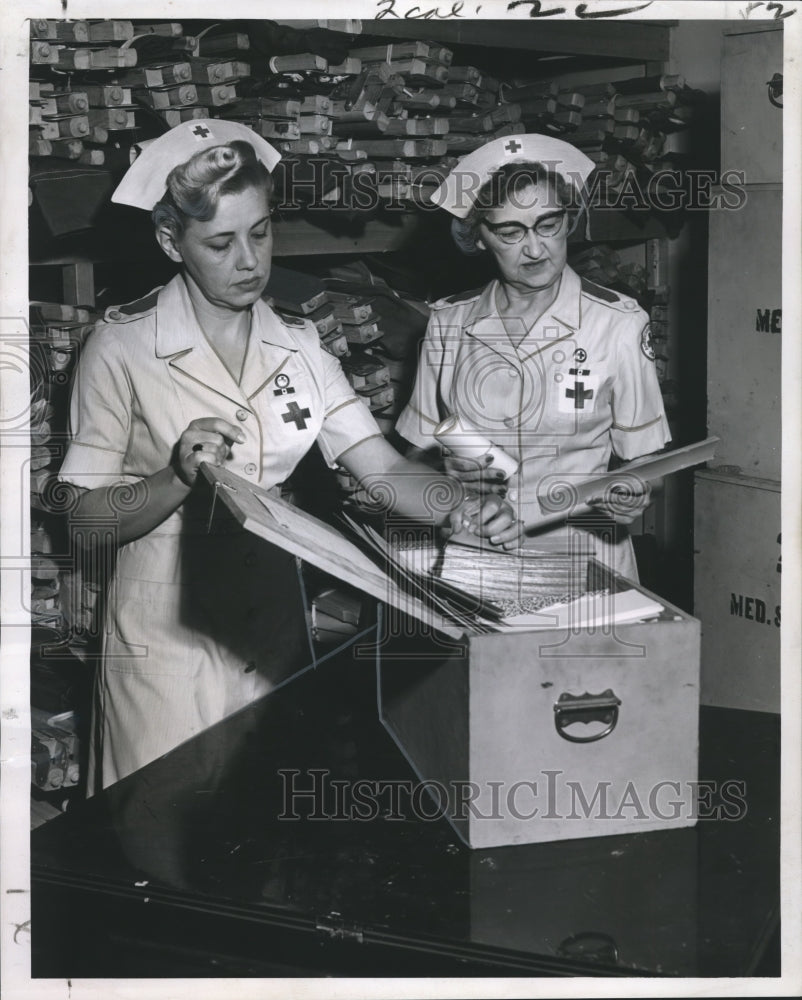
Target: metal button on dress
250 469
242 414
509 421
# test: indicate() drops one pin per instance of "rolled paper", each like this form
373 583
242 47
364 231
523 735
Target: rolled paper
466 442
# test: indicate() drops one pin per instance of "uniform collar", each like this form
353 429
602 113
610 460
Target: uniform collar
262 362
484 324
565 309
483 307
177 328
268 328
180 339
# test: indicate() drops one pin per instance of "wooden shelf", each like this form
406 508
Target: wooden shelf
642 41
393 231
609 225
297 237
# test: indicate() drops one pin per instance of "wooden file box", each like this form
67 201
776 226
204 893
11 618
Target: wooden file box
526 736
492 725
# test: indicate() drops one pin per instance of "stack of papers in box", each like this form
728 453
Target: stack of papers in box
588 611
501 576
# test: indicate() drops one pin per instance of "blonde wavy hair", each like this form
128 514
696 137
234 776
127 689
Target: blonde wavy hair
194 188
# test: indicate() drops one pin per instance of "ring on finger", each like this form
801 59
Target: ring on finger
199 447
204 446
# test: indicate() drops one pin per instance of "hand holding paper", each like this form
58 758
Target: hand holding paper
488 518
623 505
560 497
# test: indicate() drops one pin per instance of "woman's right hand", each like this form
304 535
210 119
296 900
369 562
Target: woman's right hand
476 473
487 517
207 439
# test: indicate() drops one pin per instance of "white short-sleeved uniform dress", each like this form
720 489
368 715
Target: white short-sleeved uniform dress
197 624
580 386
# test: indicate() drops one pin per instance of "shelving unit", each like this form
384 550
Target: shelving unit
552 49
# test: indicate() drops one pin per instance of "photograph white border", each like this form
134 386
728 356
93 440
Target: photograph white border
14 527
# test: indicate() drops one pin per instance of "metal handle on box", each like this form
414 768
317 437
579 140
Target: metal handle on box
775 85
586 708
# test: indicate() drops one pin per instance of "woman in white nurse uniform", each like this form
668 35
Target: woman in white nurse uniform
199 624
554 370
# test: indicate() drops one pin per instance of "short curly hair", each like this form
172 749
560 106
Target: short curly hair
194 188
506 184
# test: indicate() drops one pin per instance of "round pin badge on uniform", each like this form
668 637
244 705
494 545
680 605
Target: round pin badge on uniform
282 384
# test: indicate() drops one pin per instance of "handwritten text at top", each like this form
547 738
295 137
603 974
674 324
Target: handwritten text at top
460 9
542 8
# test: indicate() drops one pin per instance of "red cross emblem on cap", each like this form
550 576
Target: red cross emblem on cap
201 131
513 146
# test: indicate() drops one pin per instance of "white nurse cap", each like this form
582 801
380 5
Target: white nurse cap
458 191
145 181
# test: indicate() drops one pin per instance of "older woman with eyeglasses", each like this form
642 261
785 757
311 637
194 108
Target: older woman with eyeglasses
549 374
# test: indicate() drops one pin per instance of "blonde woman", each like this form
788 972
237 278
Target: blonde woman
200 624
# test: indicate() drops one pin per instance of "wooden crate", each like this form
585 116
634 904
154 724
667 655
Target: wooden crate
751 127
744 339
737 589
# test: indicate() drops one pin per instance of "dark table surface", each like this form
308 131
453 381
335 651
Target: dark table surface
194 866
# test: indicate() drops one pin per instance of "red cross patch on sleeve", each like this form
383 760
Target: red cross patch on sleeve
646 344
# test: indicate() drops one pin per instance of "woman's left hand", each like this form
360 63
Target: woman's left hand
476 473
488 517
624 505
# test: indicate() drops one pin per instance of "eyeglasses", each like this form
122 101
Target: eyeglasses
513 232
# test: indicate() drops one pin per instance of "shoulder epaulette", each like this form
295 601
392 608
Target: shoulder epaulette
599 291
457 298
129 310
289 319
621 302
